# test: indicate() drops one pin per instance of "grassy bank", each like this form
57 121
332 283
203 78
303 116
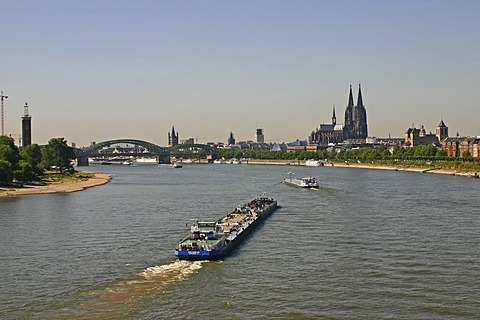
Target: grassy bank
47 179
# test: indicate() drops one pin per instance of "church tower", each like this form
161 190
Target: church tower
360 117
441 131
349 109
231 139
172 138
334 118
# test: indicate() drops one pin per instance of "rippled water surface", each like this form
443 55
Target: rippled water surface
369 244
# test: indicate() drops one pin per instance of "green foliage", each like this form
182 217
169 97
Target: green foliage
24 172
9 151
4 140
440 153
57 154
425 151
32 154
9 157
28 164
6 172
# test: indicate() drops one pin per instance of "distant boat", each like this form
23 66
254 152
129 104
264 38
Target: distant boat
475 175
141 161
217 161
307 182
176 165
313 163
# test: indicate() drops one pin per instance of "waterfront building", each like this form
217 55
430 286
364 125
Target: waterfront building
297 145
417 137
173 138
451 146
354 126
26 127
457 146
470 145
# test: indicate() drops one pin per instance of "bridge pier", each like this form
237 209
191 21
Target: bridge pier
82 161
164 158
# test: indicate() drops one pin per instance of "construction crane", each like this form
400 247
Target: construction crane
3 113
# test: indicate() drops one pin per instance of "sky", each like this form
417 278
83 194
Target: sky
101 70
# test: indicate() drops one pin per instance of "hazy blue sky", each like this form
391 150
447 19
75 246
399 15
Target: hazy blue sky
99 70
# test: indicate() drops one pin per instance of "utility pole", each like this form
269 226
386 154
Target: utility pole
3 113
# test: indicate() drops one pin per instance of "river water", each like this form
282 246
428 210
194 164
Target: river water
369 244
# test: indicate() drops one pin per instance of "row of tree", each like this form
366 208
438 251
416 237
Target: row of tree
30 163
360 154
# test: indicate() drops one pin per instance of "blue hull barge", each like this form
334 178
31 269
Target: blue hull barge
213 240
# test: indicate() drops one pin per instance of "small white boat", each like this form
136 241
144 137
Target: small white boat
313 163
176 165
217 161
307 182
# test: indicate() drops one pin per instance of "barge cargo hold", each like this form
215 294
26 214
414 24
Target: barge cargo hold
213 240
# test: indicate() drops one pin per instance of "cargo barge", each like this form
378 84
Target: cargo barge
307 182
213 240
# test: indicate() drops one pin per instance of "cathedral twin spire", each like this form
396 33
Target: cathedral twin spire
360 99
354 127
356 116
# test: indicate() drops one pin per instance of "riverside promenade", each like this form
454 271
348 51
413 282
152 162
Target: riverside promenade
426 169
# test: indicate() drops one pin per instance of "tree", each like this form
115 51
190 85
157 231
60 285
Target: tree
9 151
32 154
57 154
6 173
24 172
440 154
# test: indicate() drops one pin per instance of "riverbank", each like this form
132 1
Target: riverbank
454 172
62 187
407 168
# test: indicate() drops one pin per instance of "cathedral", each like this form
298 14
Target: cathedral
354 127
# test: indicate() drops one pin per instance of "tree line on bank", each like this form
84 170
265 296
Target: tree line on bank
29 163
419 155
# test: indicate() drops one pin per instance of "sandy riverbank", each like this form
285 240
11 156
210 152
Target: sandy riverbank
96 180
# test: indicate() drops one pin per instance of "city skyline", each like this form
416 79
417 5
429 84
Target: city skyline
95 71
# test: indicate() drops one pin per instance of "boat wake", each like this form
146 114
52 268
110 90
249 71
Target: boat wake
176 271
123 296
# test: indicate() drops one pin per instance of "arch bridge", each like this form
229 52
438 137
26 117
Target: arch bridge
142 148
